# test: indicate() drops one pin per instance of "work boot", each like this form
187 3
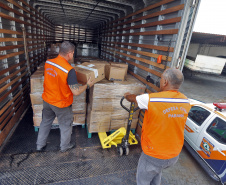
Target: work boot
68 148
42 149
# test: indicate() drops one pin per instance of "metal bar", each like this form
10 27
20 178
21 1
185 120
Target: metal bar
188 39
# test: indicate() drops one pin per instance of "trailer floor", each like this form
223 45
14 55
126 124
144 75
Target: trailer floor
86 164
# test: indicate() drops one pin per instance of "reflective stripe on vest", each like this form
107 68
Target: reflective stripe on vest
169 100
56 65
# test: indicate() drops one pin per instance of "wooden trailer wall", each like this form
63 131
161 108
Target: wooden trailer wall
24 33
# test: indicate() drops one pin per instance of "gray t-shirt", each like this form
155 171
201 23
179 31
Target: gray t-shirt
72 78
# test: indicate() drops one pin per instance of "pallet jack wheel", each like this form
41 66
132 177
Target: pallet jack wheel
120 150
126 150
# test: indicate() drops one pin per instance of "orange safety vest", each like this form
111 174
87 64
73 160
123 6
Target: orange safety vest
56 90
163 125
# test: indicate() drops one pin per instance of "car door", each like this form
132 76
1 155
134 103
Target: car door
197 118
212 144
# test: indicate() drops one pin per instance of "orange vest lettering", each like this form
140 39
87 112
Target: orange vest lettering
163 126
56 90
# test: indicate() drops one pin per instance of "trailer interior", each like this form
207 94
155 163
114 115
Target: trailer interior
135 32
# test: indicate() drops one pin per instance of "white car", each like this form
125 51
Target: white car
205 137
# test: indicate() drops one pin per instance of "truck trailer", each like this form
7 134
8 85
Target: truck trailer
148 35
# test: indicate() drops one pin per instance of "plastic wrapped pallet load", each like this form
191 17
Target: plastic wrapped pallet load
78 106
104 110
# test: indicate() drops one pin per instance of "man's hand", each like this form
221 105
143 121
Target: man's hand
126 94
130 97
90 82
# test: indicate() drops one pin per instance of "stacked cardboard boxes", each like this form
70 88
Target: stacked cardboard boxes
104 110
78 106
114 71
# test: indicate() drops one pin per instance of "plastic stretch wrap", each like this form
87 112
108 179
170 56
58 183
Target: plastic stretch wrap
104 110
78 105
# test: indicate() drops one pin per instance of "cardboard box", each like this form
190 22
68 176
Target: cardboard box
103 62
106 120
36 99
118 123
87 70
122 65
123 114
98 128
37 110
99 118
37 84
107 89
104 110
108 104
98 121
113 124
114 73
79 119
79 107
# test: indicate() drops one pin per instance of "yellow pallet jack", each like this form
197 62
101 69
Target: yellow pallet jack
121 138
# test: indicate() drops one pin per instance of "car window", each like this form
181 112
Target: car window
217 129
198 115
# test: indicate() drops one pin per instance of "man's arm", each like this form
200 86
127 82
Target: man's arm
130 97
73 83
141 100
77 90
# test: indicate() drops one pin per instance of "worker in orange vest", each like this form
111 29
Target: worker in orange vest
162 135
60 84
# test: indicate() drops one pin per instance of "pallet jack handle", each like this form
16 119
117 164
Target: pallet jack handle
123 148
128 110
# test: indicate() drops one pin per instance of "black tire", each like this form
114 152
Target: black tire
120 150
126 150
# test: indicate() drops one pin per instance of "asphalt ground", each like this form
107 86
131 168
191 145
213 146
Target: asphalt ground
204 87
88 163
